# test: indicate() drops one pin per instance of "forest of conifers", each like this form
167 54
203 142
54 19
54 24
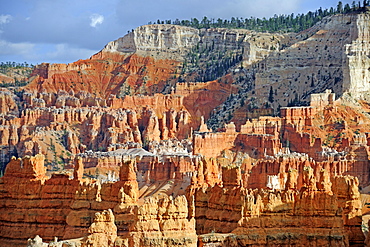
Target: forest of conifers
277 23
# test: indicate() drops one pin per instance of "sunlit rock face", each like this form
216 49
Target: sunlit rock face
136 147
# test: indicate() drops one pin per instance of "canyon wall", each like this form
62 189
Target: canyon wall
323 134
332 55
170 40
64 124
231 215
65 208
220 211
357 60
116 150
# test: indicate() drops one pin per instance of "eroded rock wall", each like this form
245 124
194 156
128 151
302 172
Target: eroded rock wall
66 208
231 214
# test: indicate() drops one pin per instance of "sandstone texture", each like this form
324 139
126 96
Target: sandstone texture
151 142
108 214
239 216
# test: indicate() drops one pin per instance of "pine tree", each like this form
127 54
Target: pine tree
271 95
340 7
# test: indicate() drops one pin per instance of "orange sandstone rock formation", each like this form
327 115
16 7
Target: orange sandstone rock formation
269 181
233 214
66 208
103 77
102 232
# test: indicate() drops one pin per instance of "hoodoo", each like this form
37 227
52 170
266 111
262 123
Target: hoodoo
194 136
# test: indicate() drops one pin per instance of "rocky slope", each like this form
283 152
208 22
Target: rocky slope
295 215
121 149
333 54
63 208
153 58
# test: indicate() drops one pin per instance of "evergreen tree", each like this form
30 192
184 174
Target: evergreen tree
340 7
347 8
277 23
271 95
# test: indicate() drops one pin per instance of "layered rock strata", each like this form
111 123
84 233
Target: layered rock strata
264 181
231 214
65 208
323 134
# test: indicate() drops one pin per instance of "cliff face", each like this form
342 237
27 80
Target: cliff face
323 134
65 124
333 55
236 215
130 161
357 58
67 208
170 41
144 61
117 74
